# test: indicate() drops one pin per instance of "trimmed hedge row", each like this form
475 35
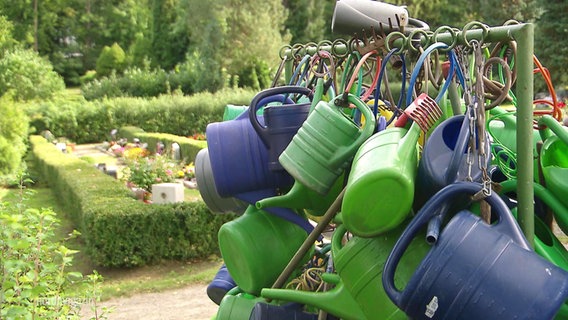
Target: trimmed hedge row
117 229
188 147
84 121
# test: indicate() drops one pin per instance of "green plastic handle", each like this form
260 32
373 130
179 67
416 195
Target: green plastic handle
364 133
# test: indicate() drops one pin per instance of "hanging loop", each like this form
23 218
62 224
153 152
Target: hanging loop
474 25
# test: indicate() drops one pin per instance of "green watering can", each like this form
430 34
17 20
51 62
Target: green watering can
301 197
380 189
325 143
257 246
545 242
237 305
502 126
337 301
359 264
554 158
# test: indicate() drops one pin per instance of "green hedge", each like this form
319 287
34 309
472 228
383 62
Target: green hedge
188 147
117 229
84 121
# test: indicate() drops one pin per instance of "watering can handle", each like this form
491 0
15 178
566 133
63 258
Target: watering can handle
336 244
264 97
460 147
554 126
506 224
364 132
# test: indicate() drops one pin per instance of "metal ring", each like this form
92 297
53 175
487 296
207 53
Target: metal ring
389 40
296 48
511 22
470 26
341 42
355 43
310 45
452 33
423 35
324 43
282 53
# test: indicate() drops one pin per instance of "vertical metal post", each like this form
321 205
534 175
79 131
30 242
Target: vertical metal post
525 159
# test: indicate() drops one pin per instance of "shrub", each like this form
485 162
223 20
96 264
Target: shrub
28 76
118 230
111 59
13 132
86 122
34 265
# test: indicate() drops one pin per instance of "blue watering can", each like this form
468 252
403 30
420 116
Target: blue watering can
444 158
222 283
475 270
207 189
281 121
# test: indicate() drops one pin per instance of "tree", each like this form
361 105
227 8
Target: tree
550 39
169 44
28 76
111 59
307 20
13 135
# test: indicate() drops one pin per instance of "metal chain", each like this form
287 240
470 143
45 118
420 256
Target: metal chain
470 113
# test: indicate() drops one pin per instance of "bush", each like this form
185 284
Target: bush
86 122
34 265
117 229
13 132
111 59
28 76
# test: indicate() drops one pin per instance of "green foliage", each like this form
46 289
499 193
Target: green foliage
35 275
111 59
13 132
550 41
169 44
117 229
7 42
86 122
28 75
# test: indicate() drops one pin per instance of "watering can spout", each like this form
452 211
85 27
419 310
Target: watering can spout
337 301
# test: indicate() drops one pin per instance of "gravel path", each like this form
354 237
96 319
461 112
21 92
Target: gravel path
189 303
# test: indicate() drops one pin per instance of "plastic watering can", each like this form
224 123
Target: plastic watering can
475 270
325 144
237 305
385 165
554 159
444 157
264 311
239 158
222 283
257 246
502 126
207 190
301 197
337 301
232 111
546 244
360 265
281 122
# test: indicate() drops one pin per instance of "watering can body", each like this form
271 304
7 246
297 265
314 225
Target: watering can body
360 265
257 246
231 111
237 305
380 188
207 189
281 121
222 283
476 270
325 143
444 158
239 158
264 311
554 162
